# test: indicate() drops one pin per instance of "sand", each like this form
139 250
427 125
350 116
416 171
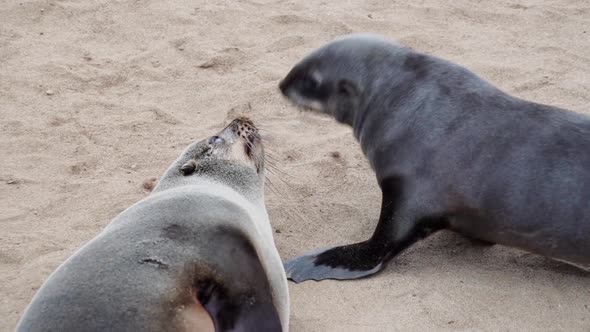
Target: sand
98 96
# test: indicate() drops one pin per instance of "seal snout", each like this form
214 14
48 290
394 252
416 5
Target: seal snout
283 86
244 127
244 120
247 141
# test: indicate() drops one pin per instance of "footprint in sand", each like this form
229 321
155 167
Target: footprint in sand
533 85
285 43
224 60
290 19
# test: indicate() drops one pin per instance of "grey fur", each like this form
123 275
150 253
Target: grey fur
146 266
450 151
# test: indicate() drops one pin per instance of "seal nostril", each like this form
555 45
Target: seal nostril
283 86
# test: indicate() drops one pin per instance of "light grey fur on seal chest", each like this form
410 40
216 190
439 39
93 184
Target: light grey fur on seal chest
450 151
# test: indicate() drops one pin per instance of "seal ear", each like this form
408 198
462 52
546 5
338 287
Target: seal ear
348 88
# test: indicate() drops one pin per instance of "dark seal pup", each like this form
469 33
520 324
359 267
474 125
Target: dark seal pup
197 254
450 151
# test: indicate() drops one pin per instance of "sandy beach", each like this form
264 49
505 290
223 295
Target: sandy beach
98 96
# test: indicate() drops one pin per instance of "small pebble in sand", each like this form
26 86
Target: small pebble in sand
149 184
133 166
335 154
11 182
42 10
41 33
207 64
49 92
278 231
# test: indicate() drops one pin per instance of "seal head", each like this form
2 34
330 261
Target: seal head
234 156
336 79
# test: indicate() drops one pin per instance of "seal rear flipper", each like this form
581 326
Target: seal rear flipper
238 296
346 262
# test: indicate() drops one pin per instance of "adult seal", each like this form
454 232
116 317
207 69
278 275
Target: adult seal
197 254
450 151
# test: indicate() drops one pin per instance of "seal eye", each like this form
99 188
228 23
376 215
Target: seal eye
215 140
188 168
309 84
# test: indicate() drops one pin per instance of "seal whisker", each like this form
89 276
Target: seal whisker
265 130
283 181
262 126
272 165
268 139
270 154
277 172
271 157
273 161
272 187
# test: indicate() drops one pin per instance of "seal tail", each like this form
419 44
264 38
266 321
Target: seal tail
237 294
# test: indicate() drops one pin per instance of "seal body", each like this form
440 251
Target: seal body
450 151
197 254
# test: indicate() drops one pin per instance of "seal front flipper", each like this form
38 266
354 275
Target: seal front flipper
362 259
244 312
400 225
346 262
238 297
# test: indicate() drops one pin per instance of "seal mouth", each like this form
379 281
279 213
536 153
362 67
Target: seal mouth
297 99
302 103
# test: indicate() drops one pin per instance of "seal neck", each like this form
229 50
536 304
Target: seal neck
243 179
